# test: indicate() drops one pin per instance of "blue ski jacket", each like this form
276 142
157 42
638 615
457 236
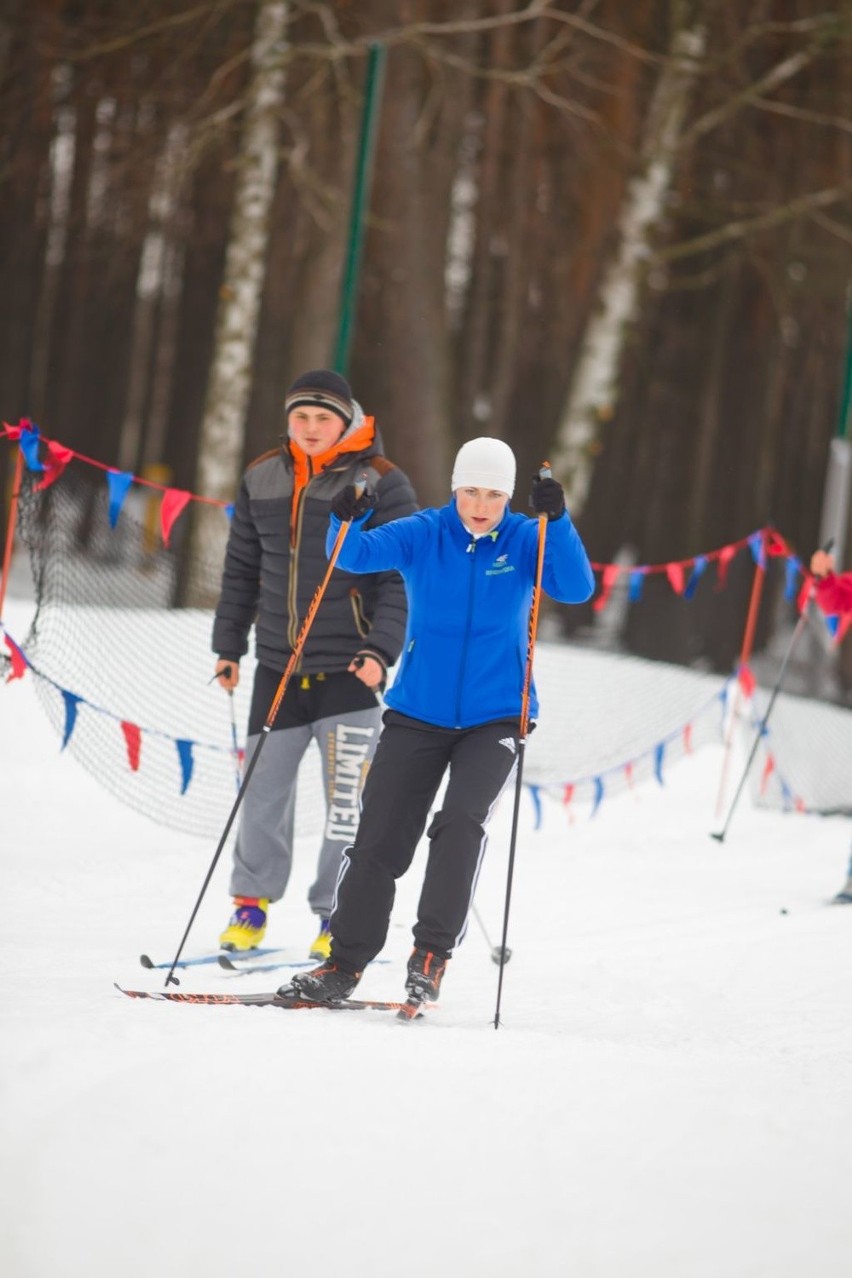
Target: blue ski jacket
469 601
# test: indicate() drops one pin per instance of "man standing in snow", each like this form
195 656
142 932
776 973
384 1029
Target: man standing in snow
833 594
469 571
274 562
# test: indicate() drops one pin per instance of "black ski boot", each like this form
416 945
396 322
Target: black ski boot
327 983
425 972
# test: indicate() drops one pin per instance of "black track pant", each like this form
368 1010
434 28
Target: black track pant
410 762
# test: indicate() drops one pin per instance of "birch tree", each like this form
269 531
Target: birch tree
594 386
229 383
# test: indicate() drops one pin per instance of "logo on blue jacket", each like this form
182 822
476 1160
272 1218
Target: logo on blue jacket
499 566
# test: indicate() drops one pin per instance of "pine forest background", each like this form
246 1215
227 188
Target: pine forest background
617 235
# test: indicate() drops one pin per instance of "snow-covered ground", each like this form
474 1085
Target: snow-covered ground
667 1096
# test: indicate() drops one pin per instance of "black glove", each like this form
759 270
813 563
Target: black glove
348 505
547 498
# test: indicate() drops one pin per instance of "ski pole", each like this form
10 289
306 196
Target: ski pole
544 473
267 727
235 745
761 729
496 950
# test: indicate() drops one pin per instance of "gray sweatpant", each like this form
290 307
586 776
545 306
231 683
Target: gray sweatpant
263 854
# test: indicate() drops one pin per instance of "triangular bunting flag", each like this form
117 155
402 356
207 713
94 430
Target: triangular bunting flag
726 554
599 794
674 572
757 546
775 544
609 576
19 661
71 703
184 749
28 443
768 769
535 795
636 582
58 457
792 568
173 503
746 680
133 741
659 756
698 567
118 483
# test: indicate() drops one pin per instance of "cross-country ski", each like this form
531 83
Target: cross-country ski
270 1000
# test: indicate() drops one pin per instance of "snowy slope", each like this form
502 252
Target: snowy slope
667 1094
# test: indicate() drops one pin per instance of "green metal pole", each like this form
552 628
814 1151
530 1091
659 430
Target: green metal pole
366 147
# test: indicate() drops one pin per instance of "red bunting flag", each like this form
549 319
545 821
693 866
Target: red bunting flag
768 769
567 796
775 544
173 503
56 459
609 577
19 664
726 554
687 739
133 741
674 572
746 680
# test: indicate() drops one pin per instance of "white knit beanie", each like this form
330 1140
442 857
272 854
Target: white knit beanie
485 463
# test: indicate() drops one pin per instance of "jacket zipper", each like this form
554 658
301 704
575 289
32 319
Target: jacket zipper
471 550
295 541
361 624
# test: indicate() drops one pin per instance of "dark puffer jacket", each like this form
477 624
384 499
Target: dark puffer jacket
275 560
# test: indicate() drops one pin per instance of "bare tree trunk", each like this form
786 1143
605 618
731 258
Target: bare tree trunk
153 276
24 210
229 386
401 345
305 259
594 387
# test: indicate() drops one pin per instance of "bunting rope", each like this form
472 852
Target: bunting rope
49 459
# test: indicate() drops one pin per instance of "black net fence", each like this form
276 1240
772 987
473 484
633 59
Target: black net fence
122 667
